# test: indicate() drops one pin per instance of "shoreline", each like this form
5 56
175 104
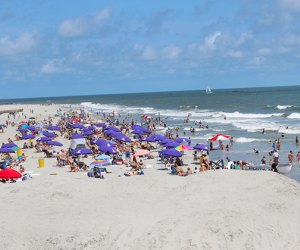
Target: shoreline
211 210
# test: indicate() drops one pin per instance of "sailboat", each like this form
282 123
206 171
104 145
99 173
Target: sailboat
208 90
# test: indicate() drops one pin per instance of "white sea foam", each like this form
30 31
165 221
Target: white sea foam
294 116
247 140
281 107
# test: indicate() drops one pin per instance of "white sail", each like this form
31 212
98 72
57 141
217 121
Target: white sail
208 90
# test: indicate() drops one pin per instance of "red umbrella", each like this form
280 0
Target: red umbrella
10 174
219 137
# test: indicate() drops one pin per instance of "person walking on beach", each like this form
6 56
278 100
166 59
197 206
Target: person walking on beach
298 156
291 156
297 141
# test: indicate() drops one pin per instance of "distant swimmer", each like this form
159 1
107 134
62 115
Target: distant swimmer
263 131
256 151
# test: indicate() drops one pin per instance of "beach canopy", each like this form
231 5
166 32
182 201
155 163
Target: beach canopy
102 157
101 124
43 139
183 140
142 152
82 151
183 148
219 137
54 143
6 150
76 136
49 134
9 173
9 145
172 144
77 125
107 147
201 147
54 128
171 152
26 137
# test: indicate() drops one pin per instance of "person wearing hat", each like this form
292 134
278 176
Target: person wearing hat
204 161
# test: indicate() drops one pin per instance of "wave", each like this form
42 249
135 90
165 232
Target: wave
294 116
281 107
247 140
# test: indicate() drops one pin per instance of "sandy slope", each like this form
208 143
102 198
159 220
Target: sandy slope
212 210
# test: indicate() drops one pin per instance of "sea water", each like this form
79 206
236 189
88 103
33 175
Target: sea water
241 113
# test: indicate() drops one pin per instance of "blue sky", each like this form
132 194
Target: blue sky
79 47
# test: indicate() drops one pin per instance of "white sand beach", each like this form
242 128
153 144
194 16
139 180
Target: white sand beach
221 209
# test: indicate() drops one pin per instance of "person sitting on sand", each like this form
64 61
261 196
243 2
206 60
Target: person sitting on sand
22 169
74 167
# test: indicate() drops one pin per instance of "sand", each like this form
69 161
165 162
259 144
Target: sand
222 209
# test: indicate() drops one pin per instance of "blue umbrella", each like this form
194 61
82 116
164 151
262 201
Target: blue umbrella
101 141
26 137
171 152
54 143
102 157
76 136
43 139
148 139
77 125
54 128
6 150
109 132
88 132
172 144
201 147
138 132
82 151
112 128
22 130
31 128
9 145
165 141
159 137
123 138
107 148
182 140
101 124
48 134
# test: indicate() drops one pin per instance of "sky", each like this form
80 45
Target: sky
82 47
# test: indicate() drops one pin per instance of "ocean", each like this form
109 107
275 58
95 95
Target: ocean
241 113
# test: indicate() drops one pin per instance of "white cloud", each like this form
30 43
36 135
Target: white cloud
264 51
54 66
235 53
242 39
256 61
84 24
148 53
210 41
290 4
171 52
13 46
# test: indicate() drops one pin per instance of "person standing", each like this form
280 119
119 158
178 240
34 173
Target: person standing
291 156
297 141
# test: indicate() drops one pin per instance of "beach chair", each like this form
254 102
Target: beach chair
217 164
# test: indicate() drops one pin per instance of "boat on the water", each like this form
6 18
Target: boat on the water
284 168
208 90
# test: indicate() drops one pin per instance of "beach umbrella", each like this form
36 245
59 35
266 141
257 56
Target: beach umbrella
183 140
88 132
136 127
89 128
142 152
148 139
123 138
22 130
171 152
54 143
159 137
219 137
101 124
107 148
109 132
82 151
77 125
9 145
172 144
100 163
31 128
201 147
49 134
26 137
9 173
112 128
76 136
165 141
43 139
138 132
23 122
183 148
102 157
6 150
54 128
